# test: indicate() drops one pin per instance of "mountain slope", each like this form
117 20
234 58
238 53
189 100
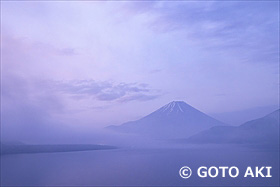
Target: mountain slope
260 131
174 120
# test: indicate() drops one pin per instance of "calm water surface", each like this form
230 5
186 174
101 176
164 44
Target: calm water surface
134 167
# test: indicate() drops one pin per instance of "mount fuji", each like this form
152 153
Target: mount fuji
174 120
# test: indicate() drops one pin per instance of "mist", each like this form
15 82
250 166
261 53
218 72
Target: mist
122 93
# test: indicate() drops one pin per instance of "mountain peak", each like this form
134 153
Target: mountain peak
175 107
178 102
175 119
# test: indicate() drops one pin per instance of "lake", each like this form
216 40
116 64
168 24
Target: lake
135 166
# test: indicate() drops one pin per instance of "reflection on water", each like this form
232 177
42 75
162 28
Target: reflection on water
134 167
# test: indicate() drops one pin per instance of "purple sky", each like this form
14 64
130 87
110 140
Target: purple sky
94 64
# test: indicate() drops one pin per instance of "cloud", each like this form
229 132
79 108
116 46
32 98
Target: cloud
155 71
50 49
25 45
105 90
139 97
67 51
248 29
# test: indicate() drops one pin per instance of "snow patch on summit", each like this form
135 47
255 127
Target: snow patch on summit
174 107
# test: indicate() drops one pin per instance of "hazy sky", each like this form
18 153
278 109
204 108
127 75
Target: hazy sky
94 64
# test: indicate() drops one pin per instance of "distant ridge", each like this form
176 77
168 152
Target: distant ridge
264 130
176 119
